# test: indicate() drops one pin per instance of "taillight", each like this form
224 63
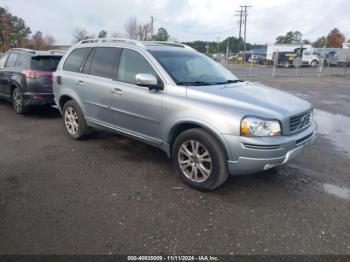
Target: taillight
29 73
36 73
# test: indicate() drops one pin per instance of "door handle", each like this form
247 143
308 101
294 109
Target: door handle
80 83
117 91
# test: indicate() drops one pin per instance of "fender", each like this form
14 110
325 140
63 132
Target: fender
197 122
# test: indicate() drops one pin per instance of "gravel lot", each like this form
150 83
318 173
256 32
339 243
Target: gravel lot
112 195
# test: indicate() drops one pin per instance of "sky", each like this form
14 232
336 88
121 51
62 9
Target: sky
185 20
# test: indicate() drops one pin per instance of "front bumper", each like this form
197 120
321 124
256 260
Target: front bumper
251 154
38 99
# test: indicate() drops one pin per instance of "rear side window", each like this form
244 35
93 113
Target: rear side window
45 63
104 61
131 64
11 62
3 61
75 59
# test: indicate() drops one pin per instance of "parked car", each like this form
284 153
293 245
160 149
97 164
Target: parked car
257 59
210 123
26 77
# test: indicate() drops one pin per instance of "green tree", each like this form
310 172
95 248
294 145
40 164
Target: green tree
13 31
162 35
102 34
292 37
320 42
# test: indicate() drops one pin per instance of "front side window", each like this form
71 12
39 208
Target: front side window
191 68
75 59
103 61
132 63
11 62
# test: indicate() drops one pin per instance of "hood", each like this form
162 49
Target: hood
251 99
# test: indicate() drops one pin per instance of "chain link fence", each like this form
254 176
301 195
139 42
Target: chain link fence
281 65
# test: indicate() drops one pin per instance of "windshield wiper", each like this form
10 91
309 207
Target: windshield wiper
230 82
196 83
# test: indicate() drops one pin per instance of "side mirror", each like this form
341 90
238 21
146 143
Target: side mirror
147 80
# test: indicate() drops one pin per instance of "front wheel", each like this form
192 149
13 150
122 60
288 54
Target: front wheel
74 121
199 160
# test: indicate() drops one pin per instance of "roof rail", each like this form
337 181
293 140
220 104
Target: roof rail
111 40
169 44
23 49
52 51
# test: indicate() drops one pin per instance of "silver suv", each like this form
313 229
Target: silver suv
210 123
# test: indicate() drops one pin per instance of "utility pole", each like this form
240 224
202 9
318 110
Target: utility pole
218 46
245 8
240 14
152 28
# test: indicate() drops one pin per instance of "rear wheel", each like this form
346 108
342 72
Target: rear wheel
74 121
199 160
17 102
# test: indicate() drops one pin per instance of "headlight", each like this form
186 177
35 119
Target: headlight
253 126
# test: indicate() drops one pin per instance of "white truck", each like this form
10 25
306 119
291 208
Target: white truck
288 53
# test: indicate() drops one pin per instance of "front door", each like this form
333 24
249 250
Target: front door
138 109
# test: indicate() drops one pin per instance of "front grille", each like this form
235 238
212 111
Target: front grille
300 122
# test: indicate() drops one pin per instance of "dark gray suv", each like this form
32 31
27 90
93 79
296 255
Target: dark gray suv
26 77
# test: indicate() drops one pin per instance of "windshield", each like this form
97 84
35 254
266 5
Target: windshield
45 63
191 68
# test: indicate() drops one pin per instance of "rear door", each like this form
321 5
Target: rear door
44 66
96 88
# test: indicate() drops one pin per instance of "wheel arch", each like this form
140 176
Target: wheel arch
12 87
182 126
64 99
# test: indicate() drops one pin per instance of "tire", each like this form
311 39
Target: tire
314 63
210 175
74 121
18 102
285 64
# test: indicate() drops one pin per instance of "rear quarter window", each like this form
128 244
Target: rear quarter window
45 63
75 59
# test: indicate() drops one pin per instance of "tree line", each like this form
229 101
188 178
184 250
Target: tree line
334 39
133 30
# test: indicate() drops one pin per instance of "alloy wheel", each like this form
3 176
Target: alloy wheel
71 120
17 100
195 161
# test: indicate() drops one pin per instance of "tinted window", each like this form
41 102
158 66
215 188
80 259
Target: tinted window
45 63
103 61
11 62
3 61
75 59
131 64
